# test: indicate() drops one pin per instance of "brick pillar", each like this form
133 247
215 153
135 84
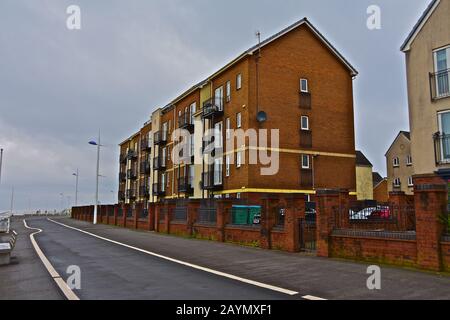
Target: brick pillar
327 205
430 200
151 216
398 203
135 212
192 214
157 209
124 214
294 209
223 208
116 212
344 206
167 218
268 220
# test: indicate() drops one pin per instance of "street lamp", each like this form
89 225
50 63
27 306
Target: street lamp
98 145
76 187
1 162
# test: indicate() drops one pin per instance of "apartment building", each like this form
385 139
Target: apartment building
427 52
399 164
364 177
295 82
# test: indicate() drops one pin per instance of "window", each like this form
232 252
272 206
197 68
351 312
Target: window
228 128
397 182
303 85
410 182
396 162
238 159
441 67
218 98
170 126
409 160
227 166
238 195
304 123
305 161
164 131
238 120
218 171
168 153
163 182
192 145
163 157
168 179
238 81
228 91
218 135
192 111
444 141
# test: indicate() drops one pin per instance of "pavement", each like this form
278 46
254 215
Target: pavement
113 271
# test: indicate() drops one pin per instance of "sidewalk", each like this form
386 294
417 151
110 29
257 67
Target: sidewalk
26 277
326 278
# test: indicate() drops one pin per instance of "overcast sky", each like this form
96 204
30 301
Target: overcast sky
59 87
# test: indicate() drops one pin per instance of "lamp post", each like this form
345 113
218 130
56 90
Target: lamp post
76 187
1 162
98 144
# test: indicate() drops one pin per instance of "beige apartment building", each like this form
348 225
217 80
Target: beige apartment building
399 164
427 51
364 177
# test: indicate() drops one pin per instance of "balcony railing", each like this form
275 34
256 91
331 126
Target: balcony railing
145 167
184 122
159 163
121 196
146 145
132 154
131 174
305 139
212 108
122 176
442 148
440 84
305 100
144 191
212 180
160 137
158 190
131 194
185 184
123 158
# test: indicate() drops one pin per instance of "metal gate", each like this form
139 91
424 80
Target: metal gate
181 210
307 232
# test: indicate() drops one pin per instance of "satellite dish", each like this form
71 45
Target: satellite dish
261 116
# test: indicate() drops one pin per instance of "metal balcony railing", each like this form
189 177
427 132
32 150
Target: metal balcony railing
131 194
123 158
185 184
122 176
213 108
440 84
145 167
442 148
146 145
160 137
132 154
158 190
184 122
131 174
159 163
212 180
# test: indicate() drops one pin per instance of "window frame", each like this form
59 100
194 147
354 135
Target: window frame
239 81
227 165
304 80
399 184
307 123
228 91
396 162
239 120
308 166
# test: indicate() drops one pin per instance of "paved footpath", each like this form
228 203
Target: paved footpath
112 271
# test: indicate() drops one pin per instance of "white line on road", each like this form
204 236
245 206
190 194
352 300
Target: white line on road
194 266
70 295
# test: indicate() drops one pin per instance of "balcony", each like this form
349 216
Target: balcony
146 145
158 190
144 191
123 158
131 194
132 154
160 138
185 185
440 85
145 167
159 163
442 148
212 180
131 174
121 196
122 176
212 108
184 122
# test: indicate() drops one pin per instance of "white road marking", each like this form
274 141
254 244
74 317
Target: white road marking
313 298
70 295
194 266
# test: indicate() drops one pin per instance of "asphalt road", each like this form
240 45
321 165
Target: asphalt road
111 271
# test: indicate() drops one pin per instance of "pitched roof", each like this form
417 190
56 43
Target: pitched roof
419 25
406 134
361 159
377 178
255 48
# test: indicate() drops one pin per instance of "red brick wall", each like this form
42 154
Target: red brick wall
398 252
179 229
242 236
445 251
205 232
